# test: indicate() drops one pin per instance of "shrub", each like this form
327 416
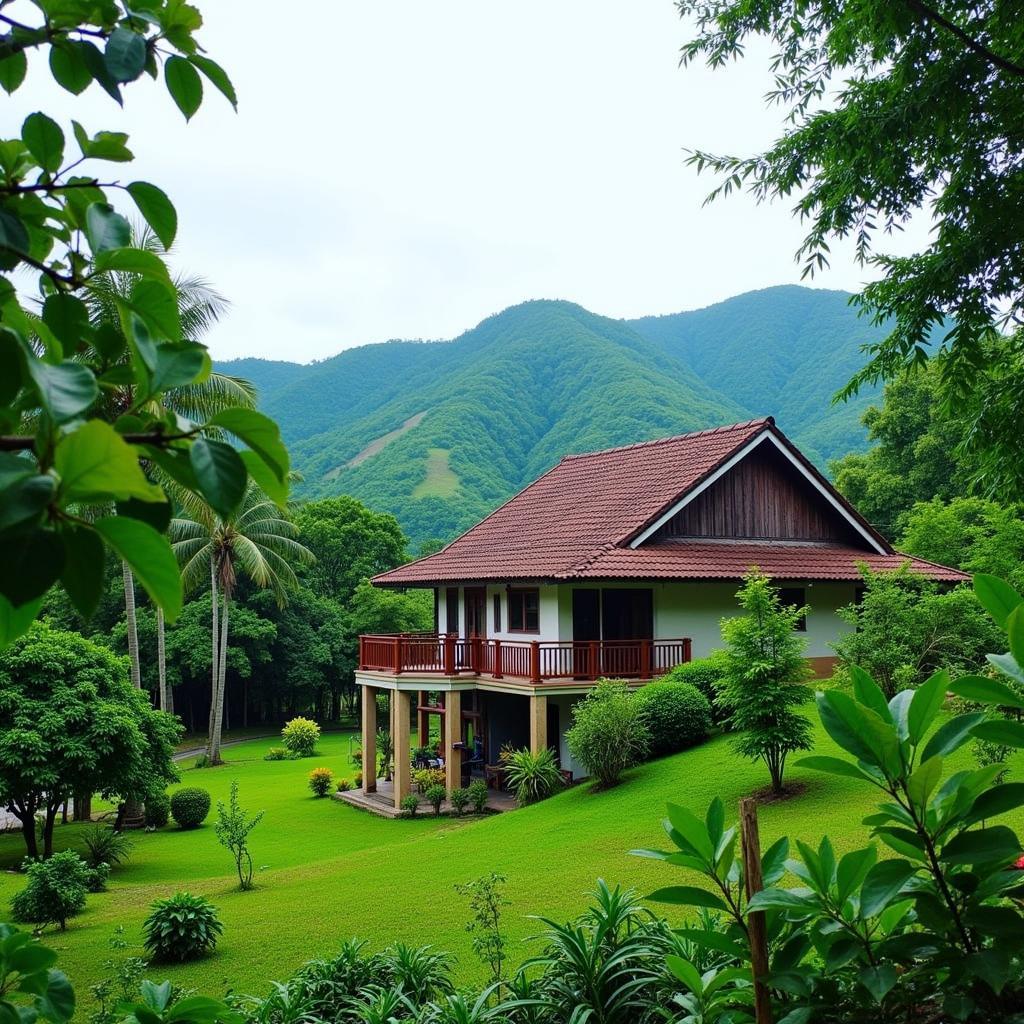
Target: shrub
410 804
233 827
276 754
301 736
677 716
608 734
708 675
424 778
181 927
478 795
343 785
357 780
104 845
158 810
55 892
96 877
320 781
435 797
190 806
459 800
532 776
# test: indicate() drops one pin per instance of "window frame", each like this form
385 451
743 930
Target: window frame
800 626
496 610
451 594
517 597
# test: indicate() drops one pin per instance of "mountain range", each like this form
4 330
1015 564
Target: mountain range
441 432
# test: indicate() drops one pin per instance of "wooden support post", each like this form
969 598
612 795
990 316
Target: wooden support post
452 735
497 669
535 661
751 847
594 652
402 701
449 654
369 709
687 650
645 658
538 722
423 720
397 655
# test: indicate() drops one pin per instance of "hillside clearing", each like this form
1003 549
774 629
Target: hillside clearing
441 481
326 871
379 444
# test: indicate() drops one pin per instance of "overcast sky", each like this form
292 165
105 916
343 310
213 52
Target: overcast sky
401 169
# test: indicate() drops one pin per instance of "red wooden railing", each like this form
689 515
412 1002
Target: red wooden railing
534 660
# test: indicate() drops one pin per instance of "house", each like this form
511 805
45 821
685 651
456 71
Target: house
618 563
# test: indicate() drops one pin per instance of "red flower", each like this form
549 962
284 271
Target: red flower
1019 863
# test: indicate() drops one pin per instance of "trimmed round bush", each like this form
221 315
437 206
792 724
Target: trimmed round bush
300 736
677 716
410 805
320 780
707 674
190 806
275 754
181 927
56 890
158 810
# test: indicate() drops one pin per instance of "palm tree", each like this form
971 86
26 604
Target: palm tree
256 541
200 306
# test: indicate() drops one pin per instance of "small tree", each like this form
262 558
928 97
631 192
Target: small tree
608 734
56 890
233 826
486 898
765 677
300 736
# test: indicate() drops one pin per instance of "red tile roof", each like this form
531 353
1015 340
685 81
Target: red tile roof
575 522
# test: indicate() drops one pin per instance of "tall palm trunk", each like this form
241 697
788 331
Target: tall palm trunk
133 629
161 662
215 732
215 657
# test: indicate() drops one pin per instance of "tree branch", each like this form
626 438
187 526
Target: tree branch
969 41
158 439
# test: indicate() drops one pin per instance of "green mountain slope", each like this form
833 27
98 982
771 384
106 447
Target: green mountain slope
781 351
439 433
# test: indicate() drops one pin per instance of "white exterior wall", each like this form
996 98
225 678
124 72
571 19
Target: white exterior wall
693 610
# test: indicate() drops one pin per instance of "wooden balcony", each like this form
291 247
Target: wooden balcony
535 661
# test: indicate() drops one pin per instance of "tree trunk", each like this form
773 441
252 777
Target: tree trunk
218 708
133 629
215 658
51 817
161 661
83 807
27 817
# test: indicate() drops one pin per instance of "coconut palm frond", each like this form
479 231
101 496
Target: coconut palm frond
200 402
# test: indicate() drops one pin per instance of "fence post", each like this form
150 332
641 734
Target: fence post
751 847
645 658
497 673
449 654
362 655
687 650
397 656
535 661
595 668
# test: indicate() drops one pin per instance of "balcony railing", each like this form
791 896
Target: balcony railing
535 660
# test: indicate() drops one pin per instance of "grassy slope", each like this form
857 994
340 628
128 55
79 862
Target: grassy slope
332 872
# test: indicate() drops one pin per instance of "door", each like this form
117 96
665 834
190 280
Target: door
586 626
476 611
627 617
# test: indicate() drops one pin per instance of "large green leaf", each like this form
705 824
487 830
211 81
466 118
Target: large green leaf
157 304
782 899
265 479
878 980
983 690
685 972
692 829
923 781
68 66
998 800
221 474
260 433
125 54
883 884
859 731
179 363
12 71
184 85
996 596
851 871
1015 633
981 846
83 575
832 765
157 209
68 318
1001 731
44 140
687 896
15 620
1008 665
30 564
57 1003
105 228
150 556
217 76
65 390
96 464
926 704
23 500
951 735
869 693
132 261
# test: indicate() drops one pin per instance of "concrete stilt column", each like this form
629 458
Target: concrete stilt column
369 709
452 735
423 721
402 701
538 722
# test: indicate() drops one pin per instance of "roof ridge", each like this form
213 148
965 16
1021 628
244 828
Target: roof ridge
706 432
578 567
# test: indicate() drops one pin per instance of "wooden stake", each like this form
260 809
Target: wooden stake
750 843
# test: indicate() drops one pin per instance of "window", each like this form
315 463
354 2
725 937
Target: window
497 613
794 597
452 609
524 611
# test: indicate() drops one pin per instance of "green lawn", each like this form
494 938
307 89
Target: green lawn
327 871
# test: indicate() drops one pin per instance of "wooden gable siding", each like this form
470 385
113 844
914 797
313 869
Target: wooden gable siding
761 498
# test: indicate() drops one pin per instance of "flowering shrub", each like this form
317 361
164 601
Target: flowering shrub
300 736
320 781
